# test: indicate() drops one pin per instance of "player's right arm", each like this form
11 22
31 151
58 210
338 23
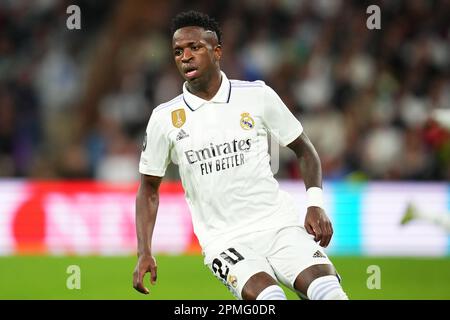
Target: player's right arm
147 201
288 131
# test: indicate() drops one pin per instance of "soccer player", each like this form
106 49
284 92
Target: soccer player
216 131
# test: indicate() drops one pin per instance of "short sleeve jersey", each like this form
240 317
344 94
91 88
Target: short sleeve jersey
221 148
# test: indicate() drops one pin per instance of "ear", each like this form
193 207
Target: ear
218 52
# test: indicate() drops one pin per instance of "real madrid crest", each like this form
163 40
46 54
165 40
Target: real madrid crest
178 118
232 280
247 122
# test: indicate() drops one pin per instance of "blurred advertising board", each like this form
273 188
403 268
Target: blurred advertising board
95 218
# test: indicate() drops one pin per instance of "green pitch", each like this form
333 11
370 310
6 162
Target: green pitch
185 277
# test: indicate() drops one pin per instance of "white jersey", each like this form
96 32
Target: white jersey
221 149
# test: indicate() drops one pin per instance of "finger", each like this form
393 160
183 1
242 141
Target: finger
309 229
153 274
135 279
328 232
138 279
141 288
318 231
325 239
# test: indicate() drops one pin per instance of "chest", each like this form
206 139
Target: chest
216 123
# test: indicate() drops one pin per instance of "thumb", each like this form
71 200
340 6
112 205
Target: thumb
153 274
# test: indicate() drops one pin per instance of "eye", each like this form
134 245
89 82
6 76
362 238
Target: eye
195 48
177 52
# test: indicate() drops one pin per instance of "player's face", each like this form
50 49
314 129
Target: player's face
196 53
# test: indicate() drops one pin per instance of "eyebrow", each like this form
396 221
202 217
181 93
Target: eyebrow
187 44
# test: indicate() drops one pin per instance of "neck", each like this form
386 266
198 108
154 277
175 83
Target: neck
206 89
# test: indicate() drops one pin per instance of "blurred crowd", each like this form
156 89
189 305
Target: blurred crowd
75 103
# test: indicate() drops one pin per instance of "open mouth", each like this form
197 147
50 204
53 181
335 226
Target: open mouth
190 72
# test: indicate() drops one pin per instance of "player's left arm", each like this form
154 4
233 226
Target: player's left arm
317 222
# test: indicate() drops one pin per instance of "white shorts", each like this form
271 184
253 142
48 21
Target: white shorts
282 253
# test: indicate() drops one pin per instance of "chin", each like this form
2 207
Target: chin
193 80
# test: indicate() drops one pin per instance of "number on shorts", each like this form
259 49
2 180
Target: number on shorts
217 268
229 259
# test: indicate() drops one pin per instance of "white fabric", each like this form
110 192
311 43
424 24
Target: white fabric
281 253
273 292
326 288
314 197
223 157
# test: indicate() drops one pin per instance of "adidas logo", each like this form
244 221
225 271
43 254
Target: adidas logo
181 135
318 254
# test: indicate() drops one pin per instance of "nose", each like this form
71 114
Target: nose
187 55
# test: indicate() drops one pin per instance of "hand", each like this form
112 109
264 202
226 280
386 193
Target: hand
146 263
318 224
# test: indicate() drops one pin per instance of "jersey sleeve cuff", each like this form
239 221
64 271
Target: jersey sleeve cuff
295 134
151 172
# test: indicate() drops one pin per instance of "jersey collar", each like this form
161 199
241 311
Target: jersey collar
222 95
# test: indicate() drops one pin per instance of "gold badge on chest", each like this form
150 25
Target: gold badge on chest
178 118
